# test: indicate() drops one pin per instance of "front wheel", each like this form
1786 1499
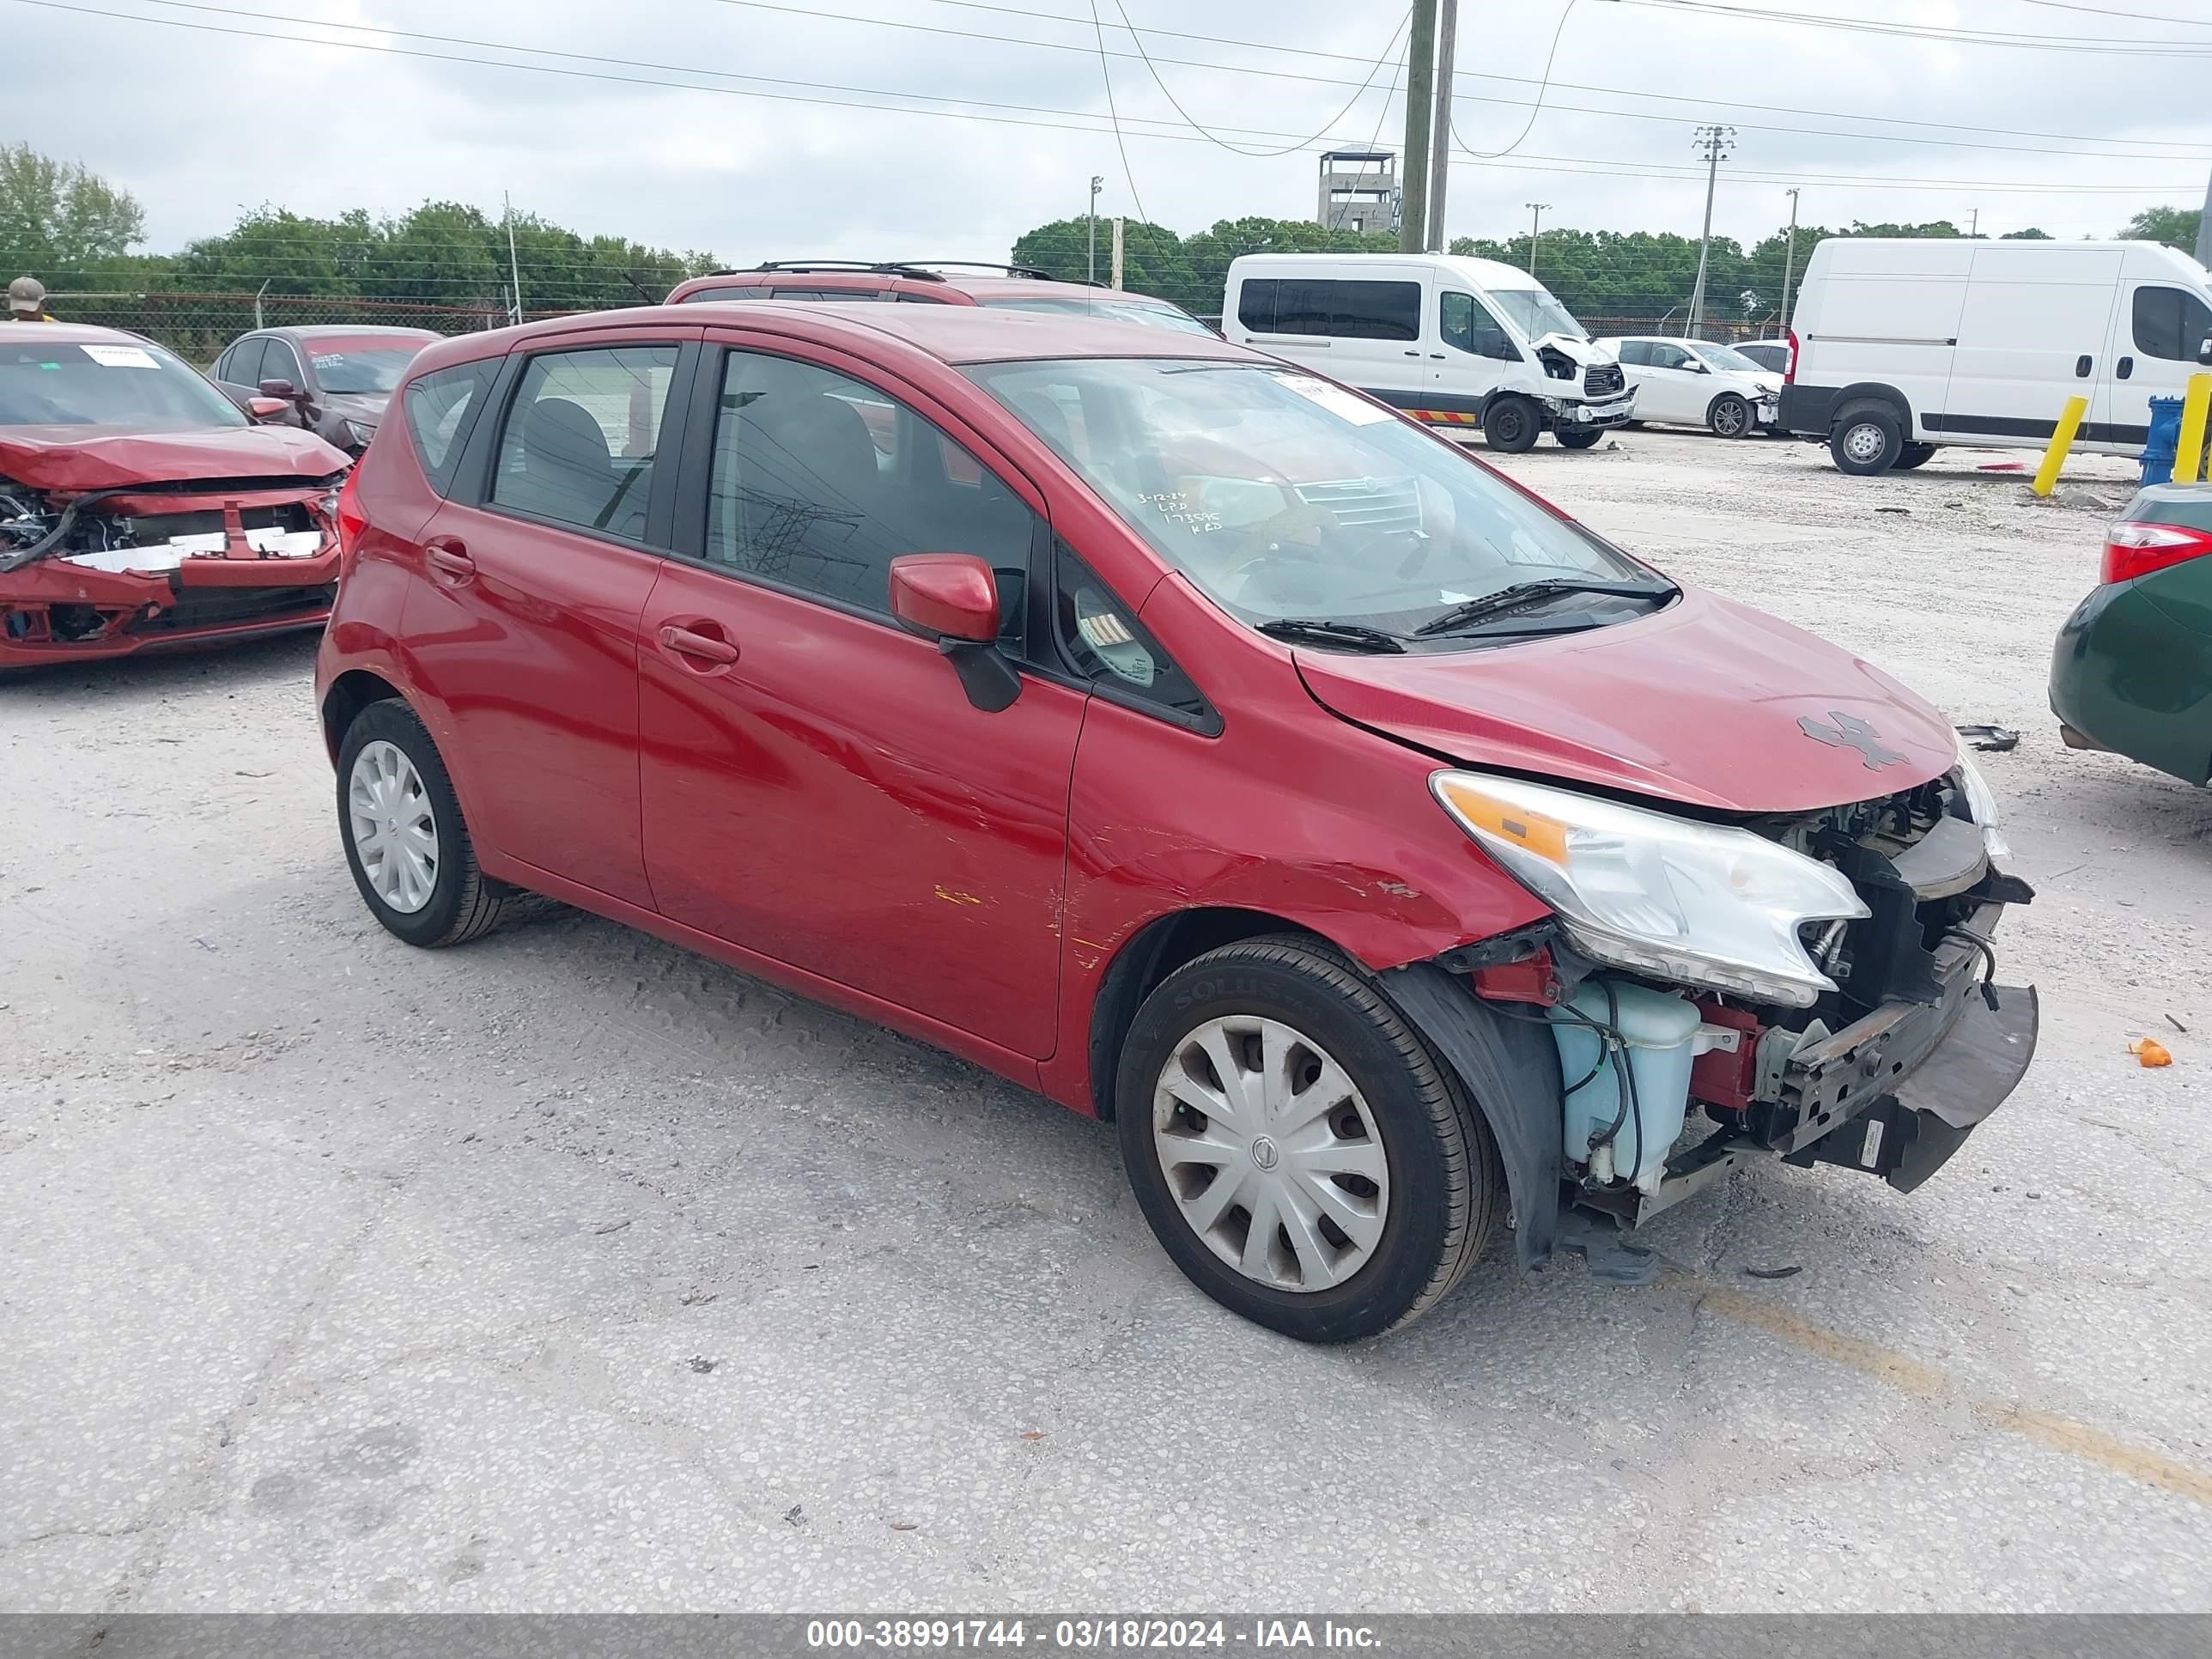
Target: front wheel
1298 1153
1729 417
1580 440
409 851
1510 425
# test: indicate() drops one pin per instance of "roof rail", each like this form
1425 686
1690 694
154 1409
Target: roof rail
858 267
1029 271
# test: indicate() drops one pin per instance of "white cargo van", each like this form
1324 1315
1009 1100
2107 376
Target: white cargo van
1900 347
1463 345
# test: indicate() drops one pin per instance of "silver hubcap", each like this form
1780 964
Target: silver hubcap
395 834
1863 443
1271 1153
1729 418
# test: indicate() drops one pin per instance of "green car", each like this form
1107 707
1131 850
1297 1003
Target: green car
2133 670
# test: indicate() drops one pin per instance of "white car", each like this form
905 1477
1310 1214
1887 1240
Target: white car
1697 383
1773 355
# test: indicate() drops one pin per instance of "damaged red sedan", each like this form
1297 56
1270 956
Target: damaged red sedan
1186 737
140 509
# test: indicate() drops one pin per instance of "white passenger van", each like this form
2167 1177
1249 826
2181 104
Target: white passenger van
1900 347
1463 345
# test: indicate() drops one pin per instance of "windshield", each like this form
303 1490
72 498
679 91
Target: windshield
123 383
1535 313
1725 358
374 368
1281 496
1154 314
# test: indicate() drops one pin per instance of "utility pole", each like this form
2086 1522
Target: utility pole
1714 141
1535 225
2204 230
1420 107
1974 221
1091 232
1121 225
1440 133
514 265
1788 257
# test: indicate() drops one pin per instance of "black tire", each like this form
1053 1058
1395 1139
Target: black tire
463 903
1729 417
1866 439
1632 426
1582 440
1915 455
1446 1191
1511 425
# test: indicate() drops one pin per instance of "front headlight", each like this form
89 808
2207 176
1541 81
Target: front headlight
358 433
1696 902
1981 806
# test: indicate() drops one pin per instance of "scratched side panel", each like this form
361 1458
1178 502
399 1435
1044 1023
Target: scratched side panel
1290 812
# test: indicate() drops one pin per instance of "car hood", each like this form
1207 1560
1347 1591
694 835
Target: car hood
1707 703
81 457
1582 353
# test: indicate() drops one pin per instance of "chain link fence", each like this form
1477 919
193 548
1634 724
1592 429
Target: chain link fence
198 326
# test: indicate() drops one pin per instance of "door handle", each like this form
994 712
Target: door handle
689 644
1438 355
2082 368
449 561
2127 367
1413 353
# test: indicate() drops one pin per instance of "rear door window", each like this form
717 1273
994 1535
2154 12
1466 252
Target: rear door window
1636 353
580 437
1360 310
440 407
2170 323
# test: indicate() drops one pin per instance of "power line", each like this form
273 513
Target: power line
1535 108
1079 121
1388 47
2010 40
1106 75
2106 11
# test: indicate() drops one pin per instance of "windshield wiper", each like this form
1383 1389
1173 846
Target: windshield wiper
1531 592
1350 636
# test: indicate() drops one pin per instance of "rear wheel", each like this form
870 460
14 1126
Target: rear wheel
1867 440
409 850
1915 455
1510 425
1582 440
1729 417
1298 1153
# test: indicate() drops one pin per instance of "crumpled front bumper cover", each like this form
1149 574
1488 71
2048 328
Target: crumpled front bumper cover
1899 1100
148 611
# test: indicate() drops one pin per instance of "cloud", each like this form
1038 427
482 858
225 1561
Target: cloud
202 124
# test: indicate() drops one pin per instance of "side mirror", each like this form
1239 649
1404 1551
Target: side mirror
2204 350
953 599
283 391
268 409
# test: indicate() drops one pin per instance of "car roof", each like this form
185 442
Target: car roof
345 331
70 333
951 334
868 282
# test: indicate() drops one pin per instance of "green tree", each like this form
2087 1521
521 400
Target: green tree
1152 256
62 222
2175 227
2031 234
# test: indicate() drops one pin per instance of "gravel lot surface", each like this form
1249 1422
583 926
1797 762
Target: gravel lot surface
567 1271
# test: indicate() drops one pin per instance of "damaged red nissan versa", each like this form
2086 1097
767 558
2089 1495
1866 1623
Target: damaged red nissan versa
1188 738
141 509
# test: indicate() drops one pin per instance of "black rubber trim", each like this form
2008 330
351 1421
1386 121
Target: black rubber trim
1510 1068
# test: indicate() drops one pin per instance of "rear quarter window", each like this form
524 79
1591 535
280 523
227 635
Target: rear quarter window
440 407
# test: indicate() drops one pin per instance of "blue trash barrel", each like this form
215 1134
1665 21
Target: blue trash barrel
2164 441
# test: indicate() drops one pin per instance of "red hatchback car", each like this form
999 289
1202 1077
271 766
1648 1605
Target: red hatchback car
1183 736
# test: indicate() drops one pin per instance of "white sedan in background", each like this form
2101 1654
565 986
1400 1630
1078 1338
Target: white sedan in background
1697 383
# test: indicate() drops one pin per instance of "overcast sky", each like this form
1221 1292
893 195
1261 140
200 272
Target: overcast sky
201 125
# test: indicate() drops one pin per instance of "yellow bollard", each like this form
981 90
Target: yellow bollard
2188 454
2061 439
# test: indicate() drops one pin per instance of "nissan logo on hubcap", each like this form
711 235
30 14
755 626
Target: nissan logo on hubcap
1263 1153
